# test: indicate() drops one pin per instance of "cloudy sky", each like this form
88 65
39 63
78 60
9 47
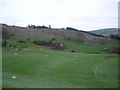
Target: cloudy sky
80 14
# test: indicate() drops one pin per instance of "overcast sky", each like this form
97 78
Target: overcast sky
80 14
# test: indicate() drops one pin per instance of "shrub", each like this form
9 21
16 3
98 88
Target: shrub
21 41
51 43
28 39
39 42
4 43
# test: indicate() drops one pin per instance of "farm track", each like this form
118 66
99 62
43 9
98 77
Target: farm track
96 72
44 68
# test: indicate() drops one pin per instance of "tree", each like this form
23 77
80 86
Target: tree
50 26
28 39
117 37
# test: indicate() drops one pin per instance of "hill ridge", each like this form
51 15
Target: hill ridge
25 32
106 31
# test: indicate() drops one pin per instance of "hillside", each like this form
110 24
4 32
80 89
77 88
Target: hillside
25 32
78 66
106 32
57 58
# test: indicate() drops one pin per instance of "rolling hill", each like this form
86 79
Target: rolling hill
106 32
29 56
37 66
25 32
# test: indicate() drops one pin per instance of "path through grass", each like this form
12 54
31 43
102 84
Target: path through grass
42 68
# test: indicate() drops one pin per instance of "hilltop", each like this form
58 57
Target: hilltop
68 33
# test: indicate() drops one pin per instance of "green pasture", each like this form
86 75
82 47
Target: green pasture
90 66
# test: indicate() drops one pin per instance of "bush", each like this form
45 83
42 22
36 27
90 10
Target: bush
4 43
39 42
51 43
28 39
21 41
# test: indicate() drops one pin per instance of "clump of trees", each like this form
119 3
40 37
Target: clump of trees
117 37
71 29
34 26
53 43
97 35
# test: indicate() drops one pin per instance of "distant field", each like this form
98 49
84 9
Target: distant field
90 66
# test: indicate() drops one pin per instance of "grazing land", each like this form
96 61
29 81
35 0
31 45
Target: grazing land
80 65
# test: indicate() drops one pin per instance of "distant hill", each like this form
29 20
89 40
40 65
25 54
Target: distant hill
106 32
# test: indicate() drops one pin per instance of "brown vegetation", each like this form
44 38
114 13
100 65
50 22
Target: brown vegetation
114 50
51 43
24 32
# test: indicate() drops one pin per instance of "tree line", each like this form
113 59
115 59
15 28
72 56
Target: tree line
117 37
39 27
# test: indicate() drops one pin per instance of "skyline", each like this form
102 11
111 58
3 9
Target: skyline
80 14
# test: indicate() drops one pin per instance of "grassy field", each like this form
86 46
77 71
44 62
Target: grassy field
90 66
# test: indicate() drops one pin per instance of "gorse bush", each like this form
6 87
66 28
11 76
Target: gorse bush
4 43
53 43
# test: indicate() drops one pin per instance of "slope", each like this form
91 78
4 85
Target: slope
90 66
106 32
